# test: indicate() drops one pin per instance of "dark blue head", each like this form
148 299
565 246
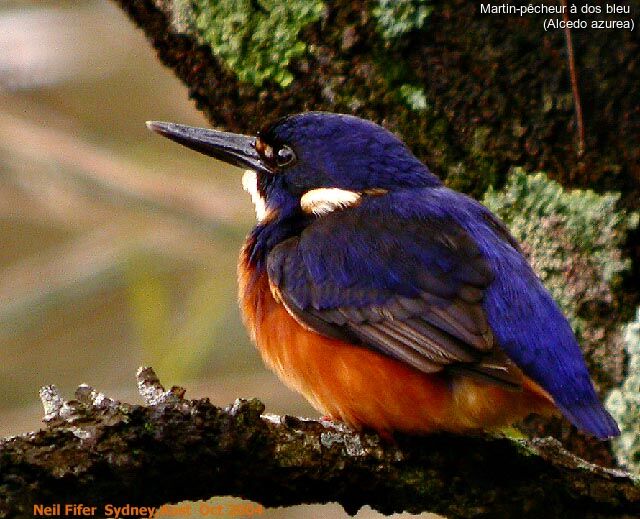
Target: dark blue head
342 151
302 154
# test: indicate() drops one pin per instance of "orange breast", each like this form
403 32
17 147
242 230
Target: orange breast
369 390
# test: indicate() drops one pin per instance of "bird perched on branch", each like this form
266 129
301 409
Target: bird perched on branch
388 300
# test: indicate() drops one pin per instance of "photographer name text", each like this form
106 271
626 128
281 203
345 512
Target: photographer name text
208 509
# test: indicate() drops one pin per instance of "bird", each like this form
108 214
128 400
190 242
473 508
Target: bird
389 301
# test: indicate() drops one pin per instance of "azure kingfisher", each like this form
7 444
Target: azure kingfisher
390 301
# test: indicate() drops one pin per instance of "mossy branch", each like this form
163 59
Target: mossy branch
94 448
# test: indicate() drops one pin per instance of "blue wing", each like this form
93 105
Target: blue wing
410 288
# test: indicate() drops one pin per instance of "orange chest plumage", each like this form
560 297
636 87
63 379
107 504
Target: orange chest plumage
366 389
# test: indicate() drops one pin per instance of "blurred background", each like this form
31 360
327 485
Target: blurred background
118 248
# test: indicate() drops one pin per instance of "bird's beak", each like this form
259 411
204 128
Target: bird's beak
232 148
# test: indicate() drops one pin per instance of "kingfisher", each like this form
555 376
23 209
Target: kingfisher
391 302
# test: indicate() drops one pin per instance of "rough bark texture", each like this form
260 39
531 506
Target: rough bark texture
97 451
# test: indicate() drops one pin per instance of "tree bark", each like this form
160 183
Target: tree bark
100 452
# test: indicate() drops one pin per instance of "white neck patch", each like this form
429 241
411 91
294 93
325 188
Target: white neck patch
250 185
327 199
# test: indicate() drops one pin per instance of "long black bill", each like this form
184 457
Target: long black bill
232 148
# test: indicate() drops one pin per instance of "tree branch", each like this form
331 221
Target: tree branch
95 448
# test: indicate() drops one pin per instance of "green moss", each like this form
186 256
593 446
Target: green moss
572 238
397 17
256 39
624 402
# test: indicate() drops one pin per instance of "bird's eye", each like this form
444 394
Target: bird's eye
279 155
285 156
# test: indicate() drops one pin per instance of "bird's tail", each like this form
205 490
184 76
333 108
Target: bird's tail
592 418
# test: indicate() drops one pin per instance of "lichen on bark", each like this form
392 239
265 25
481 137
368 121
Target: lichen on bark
255 39
624 402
